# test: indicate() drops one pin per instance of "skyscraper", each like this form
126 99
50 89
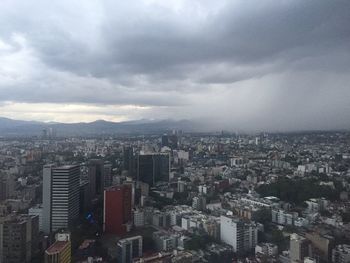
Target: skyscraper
47 187
117 209
96 177
129 160
60 196
152 168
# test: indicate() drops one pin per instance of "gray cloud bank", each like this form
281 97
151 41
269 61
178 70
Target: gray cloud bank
241 64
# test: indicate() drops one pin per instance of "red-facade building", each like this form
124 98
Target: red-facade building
117 209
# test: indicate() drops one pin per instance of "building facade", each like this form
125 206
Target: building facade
60 196
129 249
19 236
117 209
299 248
152 168
60 251
341 254
241 235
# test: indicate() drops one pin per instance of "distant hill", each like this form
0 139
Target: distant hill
10 127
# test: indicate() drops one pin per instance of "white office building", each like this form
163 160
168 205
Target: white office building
241 235
60 196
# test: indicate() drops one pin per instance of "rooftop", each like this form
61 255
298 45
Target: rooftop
57 247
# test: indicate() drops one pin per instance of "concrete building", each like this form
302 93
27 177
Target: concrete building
60 251
299 248
152 168
284 218
19 236
165 241
6 186
322 245
316 204
309 260
267 249
199 202
107 170
161 219
241 235
46 212
37 211
117 209
96 175
129 162
129 248
139 218
84 196
341 254
60 196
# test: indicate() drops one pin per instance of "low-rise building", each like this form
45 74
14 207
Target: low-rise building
60 251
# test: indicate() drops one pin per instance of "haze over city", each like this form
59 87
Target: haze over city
252 65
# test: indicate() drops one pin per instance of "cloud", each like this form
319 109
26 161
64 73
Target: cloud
251 64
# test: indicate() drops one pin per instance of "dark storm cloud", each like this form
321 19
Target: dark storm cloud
178 53
243 32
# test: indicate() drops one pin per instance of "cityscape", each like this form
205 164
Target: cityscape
175 131
176 197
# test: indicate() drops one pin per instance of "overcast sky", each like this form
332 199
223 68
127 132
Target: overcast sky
248 64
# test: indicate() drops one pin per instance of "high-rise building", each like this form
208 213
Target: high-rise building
96 177
107 174
129 160
152 168
84 196
341 254
6 186
60 196
299 248
241 235
170 141
37 210
47 187
129 248
165 140
117 209
60 251
19 236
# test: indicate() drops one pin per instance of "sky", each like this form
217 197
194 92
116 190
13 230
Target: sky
240 64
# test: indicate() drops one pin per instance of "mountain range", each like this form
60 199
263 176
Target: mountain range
10 127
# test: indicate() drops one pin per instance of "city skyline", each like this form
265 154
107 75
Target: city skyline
231 64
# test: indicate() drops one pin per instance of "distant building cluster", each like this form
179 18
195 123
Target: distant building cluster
176 197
